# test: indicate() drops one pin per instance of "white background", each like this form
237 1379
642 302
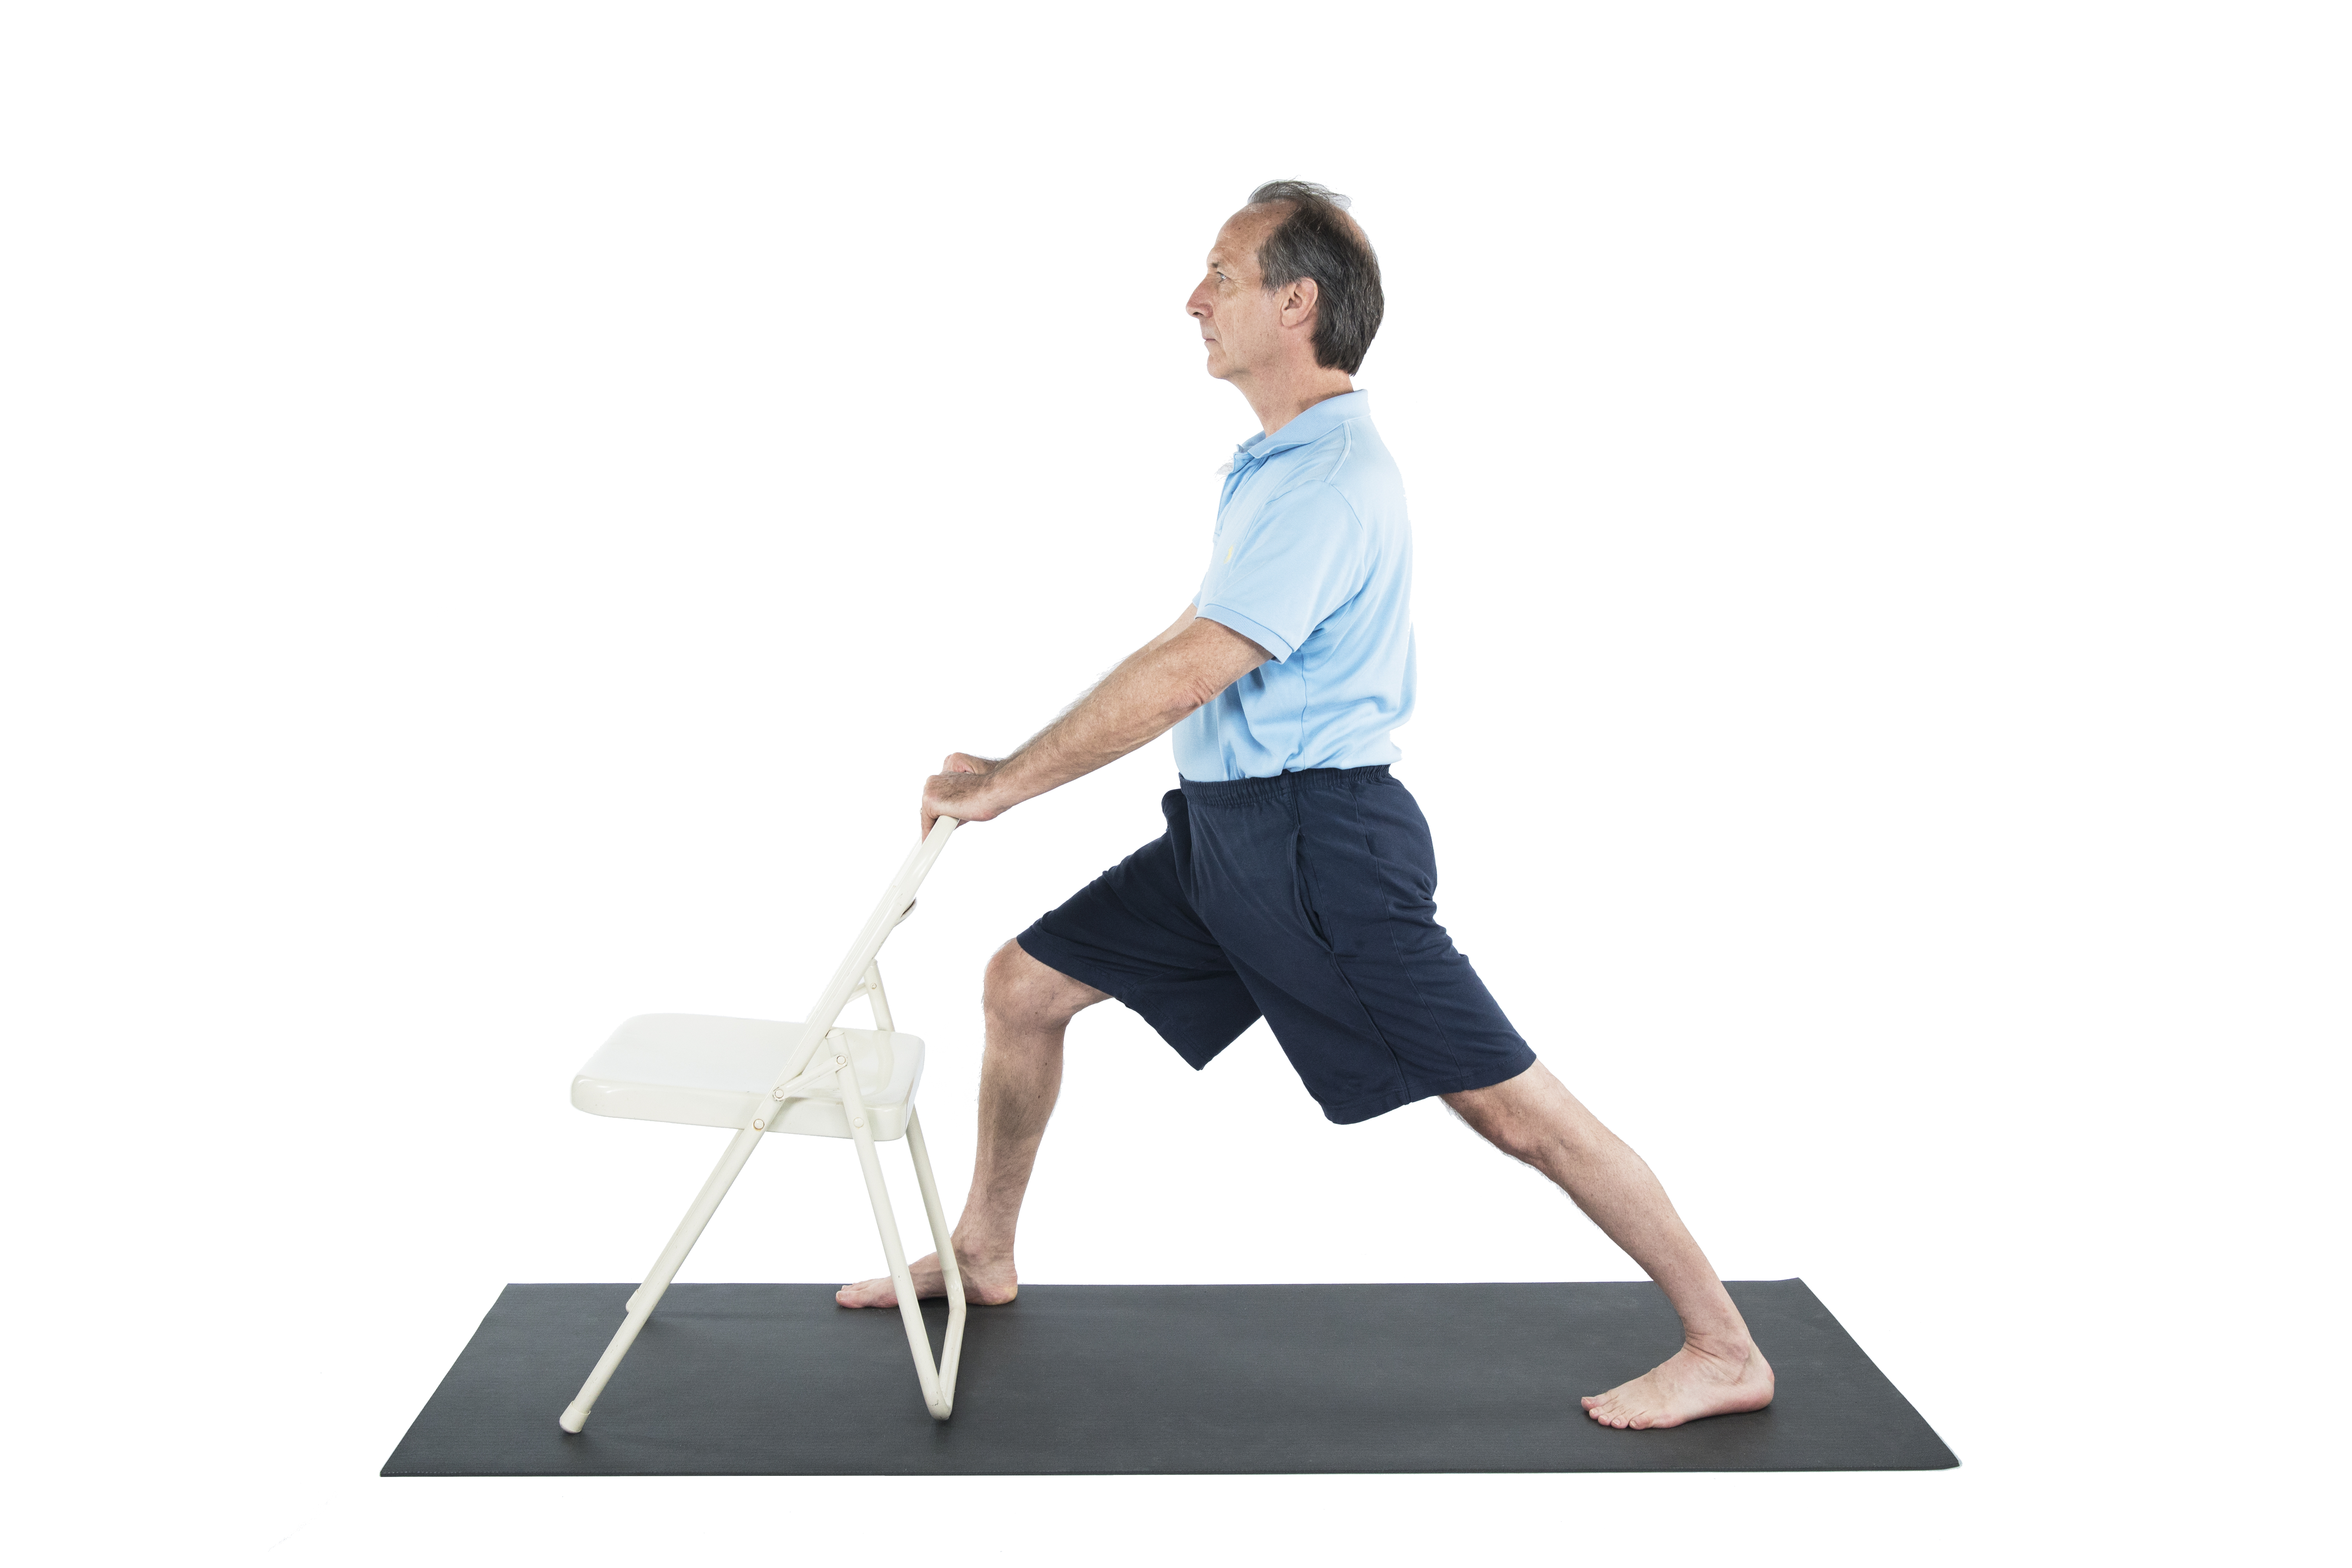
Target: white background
504 504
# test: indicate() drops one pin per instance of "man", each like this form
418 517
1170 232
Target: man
1295 878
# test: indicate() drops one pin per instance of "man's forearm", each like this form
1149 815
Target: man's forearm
1152 690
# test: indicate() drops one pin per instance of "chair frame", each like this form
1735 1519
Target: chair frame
860 975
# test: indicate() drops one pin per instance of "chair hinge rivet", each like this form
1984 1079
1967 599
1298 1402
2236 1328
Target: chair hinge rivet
758 1125
839 1060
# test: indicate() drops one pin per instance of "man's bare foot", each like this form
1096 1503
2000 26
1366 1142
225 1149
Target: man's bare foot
1688 1384
986 1283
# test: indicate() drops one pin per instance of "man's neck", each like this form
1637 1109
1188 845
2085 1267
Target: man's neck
1277 401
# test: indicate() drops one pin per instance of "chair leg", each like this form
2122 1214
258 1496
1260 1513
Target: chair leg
910 1311
952 1354
649 1294
941 1238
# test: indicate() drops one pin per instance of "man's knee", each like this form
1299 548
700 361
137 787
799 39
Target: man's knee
1523 1116
1021 991
1511 1135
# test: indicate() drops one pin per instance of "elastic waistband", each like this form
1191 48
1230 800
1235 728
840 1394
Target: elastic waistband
1233 791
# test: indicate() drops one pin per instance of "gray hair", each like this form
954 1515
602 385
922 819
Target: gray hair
1318 239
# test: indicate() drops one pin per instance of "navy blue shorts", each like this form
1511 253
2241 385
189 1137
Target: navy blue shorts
1309 900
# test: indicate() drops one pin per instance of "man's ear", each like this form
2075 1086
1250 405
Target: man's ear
1298 302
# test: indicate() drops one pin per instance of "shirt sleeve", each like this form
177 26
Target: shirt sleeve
1302 558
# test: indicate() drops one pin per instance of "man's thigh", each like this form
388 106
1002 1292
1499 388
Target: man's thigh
1133 934
1324 891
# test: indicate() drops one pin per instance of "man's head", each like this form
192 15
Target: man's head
1292 283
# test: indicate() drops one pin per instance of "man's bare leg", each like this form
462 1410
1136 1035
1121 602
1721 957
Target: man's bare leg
1028 1005
1718 1370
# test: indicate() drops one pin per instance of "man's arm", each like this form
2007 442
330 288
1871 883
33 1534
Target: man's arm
1152 689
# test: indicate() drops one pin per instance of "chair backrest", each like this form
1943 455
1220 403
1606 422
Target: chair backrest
887 914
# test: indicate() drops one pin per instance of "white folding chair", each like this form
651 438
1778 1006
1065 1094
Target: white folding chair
809 1078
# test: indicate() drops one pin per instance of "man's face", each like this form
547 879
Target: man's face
1240 323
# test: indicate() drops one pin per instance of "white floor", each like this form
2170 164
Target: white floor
504 505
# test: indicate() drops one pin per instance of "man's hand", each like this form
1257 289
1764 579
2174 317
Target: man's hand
960 789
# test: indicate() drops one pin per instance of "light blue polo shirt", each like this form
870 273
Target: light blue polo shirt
1312 560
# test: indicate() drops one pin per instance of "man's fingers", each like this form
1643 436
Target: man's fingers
958 792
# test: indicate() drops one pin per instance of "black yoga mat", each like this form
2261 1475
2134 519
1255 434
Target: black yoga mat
1144 1379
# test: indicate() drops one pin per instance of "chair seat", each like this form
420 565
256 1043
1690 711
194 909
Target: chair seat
709 1072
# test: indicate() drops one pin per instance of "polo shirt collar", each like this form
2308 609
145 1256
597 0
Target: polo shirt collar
1312 425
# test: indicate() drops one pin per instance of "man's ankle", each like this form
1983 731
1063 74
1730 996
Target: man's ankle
973 1248
1726 1348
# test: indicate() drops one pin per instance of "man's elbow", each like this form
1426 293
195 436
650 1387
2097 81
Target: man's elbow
1193 694
1208 662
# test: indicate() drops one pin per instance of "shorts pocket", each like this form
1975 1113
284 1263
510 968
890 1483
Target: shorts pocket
1302 889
